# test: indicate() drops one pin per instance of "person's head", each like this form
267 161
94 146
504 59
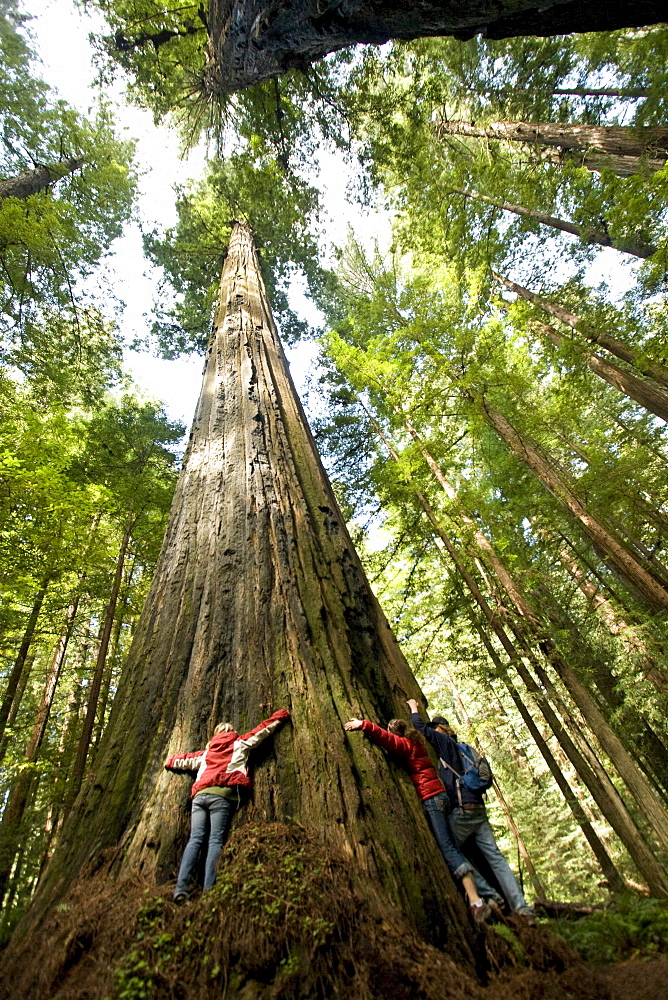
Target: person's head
400 727
223 727
441 725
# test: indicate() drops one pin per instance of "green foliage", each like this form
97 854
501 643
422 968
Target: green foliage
53 239
629 928
278 206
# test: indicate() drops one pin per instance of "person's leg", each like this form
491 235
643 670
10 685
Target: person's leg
503 873
436 809
198 825
220 814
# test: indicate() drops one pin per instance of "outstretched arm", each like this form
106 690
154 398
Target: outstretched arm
264 729
421 726
384 739
185 761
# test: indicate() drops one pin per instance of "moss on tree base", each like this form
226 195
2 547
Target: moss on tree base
287 918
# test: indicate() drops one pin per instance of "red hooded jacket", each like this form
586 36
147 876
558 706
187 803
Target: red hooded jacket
224 761
422 771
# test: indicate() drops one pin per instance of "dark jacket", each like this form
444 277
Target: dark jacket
447 750
224 762
416 757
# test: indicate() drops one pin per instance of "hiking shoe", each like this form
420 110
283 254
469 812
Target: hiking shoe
180 898
480 912
527 913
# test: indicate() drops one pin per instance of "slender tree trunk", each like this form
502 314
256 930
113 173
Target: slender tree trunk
618 140
626 767
15 676
610 804
637 248
258 600
600 852
18 698
652 399
649 587
66 751
111 660
598 337
620 166
32 181
19 795
604 92
79 766
615 623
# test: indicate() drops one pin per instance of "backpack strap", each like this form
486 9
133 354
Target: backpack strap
458 783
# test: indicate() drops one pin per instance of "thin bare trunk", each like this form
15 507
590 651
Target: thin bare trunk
615 623
15 677
649 587
652 399
635 247
598 337
32 181
19 795
79 766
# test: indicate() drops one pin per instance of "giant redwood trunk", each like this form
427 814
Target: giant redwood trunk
258 601
251 41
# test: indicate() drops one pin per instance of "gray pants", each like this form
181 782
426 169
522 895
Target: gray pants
473 823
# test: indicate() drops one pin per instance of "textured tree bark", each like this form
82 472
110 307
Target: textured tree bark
15 676
258 600
599 337
32 181
621 166
637 248
654 400
250 41
617 140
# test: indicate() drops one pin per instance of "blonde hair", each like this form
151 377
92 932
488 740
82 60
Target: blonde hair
223 727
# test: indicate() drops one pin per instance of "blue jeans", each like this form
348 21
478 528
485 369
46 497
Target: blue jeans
474 823
212 813
437 809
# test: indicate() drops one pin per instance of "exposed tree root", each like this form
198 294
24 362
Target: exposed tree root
286 920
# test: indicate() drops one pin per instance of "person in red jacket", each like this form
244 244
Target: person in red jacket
403 739
222 774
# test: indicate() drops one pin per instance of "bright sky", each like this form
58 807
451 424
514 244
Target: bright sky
61 33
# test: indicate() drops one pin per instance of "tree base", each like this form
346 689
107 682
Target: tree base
286 920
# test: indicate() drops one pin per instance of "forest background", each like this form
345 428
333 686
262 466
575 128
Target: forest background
490 397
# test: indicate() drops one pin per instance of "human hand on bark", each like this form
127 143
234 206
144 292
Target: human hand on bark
353 724
413 705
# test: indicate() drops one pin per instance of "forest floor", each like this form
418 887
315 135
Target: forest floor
637 979
317 940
